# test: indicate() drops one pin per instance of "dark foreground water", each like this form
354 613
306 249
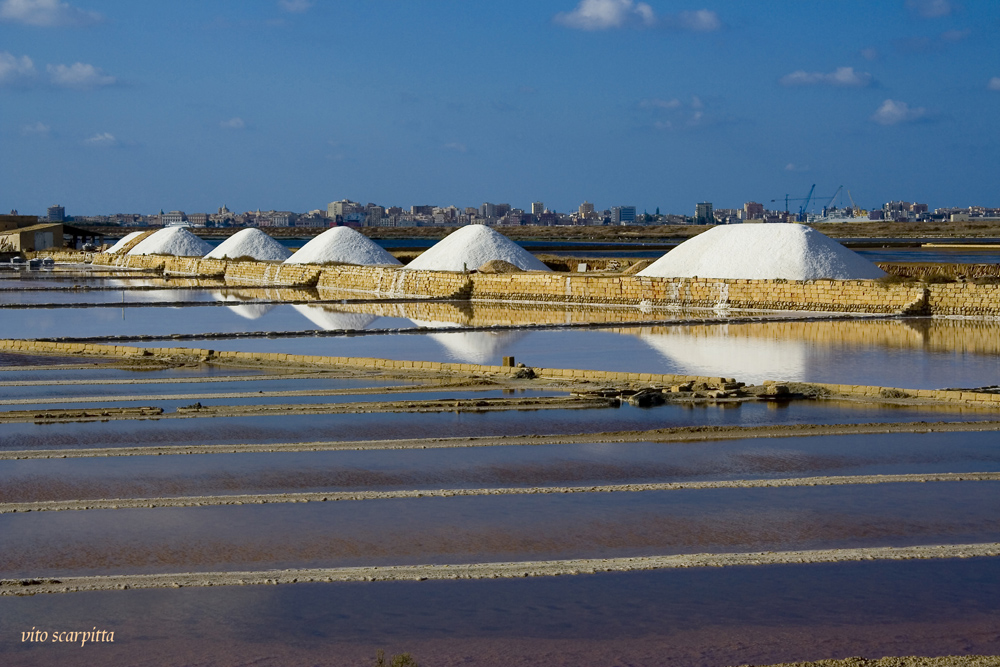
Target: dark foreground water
701 617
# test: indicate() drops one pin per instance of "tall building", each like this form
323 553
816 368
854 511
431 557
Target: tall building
487 210
623 215
703 214
56 214
586 210
753 211
537 208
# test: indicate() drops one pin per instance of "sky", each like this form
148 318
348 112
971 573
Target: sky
115 106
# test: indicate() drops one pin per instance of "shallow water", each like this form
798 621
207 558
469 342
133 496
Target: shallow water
376 426
500 466
916 354
495 528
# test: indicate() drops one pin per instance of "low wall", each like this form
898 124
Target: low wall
928 270
846 296
974 399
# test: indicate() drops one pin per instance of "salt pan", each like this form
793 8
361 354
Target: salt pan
342 245
252 243
472 246
176 241
762 252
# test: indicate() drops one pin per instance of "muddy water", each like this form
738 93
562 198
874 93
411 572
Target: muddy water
495 528
379 426
503 466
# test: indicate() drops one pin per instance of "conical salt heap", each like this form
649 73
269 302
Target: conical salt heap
342 245
124 242
176 241
253 243
472 246
763 252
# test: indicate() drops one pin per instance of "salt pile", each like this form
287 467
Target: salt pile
124 242
472 246
342 245
762 252
251 243
175 241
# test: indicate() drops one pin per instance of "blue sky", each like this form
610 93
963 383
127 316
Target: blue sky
114 106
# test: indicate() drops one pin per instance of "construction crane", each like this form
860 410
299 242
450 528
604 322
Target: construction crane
802 209
856 210
830 203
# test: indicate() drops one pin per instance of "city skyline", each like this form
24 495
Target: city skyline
290 104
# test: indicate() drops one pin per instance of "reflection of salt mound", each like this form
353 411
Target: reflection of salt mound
472 246
719 354
472 347
250 311
124 242
175 241
761 252
329 319
253 243
342 245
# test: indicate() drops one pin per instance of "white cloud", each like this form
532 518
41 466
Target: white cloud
994 83
80 76
702 20
455 146
604 14
893 113
15 70
46 13
870 53
673 114
39 128
235 123
101 140
842 76
295 6
929 8
795 168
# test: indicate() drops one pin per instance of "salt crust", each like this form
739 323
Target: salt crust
123 242
345 246
176 241
472 246
763 252
251 242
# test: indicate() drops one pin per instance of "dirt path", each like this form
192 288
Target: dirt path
336 496
666 436
489 570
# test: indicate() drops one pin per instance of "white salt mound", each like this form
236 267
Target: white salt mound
253 243
123 242
762 252
176 241
472 246
345 246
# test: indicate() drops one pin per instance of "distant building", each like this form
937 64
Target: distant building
487 210
172 218
586 210
623 215
703 214
537 208
753 211
422 210
56 214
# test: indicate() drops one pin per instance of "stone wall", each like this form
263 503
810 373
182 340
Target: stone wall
846 296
